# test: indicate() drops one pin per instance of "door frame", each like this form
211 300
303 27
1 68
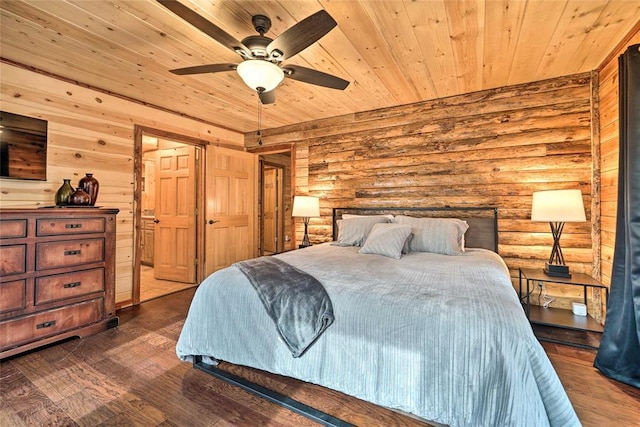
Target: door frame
279 204
276 149
139 132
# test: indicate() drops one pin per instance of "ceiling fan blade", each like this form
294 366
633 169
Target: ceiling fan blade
307 75
204 25
267 97
301 35
201 69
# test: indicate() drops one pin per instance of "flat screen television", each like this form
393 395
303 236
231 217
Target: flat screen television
23 147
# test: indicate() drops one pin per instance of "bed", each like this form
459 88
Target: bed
442 337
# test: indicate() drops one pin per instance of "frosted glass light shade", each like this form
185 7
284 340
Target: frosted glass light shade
257 73
306 206
558 206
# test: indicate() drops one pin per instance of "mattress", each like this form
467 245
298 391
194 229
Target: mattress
441 337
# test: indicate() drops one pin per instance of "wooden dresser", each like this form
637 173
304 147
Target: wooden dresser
57 275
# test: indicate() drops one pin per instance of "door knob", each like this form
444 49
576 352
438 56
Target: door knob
212 221
156 221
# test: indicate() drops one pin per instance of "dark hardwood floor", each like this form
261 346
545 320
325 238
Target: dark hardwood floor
131 376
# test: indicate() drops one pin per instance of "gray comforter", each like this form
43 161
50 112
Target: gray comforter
442 337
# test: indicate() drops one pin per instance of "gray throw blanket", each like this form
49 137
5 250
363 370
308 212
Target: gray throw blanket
298 304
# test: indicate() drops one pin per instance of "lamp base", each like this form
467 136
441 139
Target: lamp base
556 270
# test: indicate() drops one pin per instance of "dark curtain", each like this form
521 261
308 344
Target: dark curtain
619 353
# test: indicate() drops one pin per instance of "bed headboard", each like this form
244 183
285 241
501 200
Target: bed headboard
483 222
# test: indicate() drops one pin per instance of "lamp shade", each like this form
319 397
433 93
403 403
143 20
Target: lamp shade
558 206
258 73
306 206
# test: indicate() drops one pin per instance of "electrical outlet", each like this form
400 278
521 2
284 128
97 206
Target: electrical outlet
540 285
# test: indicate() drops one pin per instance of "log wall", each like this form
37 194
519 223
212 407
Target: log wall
489 148
609 152
90 131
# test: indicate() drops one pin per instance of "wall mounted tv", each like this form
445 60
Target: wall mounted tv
23 147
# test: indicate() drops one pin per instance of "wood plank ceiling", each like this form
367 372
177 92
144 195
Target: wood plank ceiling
392 52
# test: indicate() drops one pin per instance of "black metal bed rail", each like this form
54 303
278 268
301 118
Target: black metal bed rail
313 414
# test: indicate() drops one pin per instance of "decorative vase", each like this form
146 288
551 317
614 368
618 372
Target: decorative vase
63 193
79 198
90 185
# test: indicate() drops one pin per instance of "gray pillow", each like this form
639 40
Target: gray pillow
354 231
437 235
387 240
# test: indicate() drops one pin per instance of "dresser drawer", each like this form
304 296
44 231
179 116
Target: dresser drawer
13 228
68 252
61 226
61 286
13 296
30 328
13 259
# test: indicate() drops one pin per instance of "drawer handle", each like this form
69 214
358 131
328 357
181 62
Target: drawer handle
76 252
73 226
71 285
46 324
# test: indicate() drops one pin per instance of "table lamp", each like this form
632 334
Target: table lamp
306 207
557 207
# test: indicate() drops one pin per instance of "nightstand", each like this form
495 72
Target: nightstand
568 322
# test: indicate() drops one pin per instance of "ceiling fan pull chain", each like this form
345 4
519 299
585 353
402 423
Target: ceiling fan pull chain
259 133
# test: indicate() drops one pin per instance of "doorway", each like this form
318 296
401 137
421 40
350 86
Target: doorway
213 232
169 184
272 209
276 199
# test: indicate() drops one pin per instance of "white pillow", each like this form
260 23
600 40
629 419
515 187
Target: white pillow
437 235
387 240
354 231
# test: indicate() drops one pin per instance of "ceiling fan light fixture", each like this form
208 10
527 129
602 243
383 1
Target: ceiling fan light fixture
258 73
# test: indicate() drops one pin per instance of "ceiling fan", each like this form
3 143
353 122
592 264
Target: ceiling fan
262 69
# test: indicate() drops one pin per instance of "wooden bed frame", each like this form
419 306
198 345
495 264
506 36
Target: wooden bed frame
482 233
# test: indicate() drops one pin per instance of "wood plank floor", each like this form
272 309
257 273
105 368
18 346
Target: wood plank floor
151 288
131 376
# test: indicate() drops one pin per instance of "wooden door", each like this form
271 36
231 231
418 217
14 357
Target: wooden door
146 242
175 215
231 207
270 210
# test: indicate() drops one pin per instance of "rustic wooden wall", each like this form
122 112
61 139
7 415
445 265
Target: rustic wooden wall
489 148
90 131
609 152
